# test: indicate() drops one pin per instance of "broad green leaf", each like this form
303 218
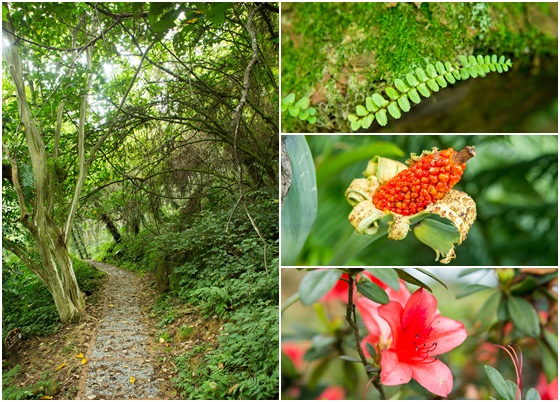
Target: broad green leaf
288 368
289 99
312 111
424 90
379 100
464 61
472 72
449 77
318 371
498 382
549 361
524 287
472 60
440 68
316 284
421 74
524 316
480 70
438 235
470 289
449 67
373 291
165 23
468 271
386 275
300 205
412 81
552 340
350 359
394 110
303 103
392 93
401 86
488 311
334 165
404 103
532 395
512 390
312 119
157 9
361 110
433 85
414 96
464 73
216 13
4 12
303 115
352 118
458 74
381 117
405 276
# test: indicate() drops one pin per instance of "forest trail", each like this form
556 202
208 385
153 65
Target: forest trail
119 362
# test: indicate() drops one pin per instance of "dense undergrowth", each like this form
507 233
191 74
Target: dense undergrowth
219 269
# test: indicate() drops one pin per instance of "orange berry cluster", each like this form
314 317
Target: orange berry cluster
422 184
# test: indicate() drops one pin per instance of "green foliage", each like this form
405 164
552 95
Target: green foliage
432 79
299 109
10 389
27 302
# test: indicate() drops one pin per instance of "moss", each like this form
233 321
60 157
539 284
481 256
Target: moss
339 53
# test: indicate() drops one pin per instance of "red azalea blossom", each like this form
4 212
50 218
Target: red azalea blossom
333 393
546 390
419 333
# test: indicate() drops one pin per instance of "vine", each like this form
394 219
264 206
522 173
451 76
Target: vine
421 82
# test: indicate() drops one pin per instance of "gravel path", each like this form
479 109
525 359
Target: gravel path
119 364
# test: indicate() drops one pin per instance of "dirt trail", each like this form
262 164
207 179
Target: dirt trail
120 365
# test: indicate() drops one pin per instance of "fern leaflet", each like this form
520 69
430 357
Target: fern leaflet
422 82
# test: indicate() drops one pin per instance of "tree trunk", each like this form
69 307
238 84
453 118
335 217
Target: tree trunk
111 227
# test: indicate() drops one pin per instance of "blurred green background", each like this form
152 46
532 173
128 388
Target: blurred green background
512 179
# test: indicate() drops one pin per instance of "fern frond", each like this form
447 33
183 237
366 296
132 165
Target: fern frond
423 81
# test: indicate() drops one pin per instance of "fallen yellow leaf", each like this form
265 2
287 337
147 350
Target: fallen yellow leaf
84 360
59 367
80 355
132 380
46 397
232 388
111 305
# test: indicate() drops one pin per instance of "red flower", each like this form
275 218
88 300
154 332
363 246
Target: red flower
333 393
546 390
340 289
419 333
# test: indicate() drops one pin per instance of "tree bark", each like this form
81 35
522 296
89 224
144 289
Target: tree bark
55 269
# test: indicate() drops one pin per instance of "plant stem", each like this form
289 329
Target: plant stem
351 319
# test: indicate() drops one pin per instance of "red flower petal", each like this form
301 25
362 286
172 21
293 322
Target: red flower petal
436 377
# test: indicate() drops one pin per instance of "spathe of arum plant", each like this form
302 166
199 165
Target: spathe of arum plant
446 218
422 81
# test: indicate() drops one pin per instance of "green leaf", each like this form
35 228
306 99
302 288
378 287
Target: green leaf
157 9
440 68
464 74
370 106
350 359
532 395
431 70
499 68
472 60
372 291
470 289
366 121
216 13
381 117
312 111
361 111
394 110
289 99
165 23
549 361
404 103
401 86
4 13
421 74
300 205
405 276
414 96
438 235
303 103
412 81
352 118
469 271
316 284
472 72
502 60
424 90
498 382
318 372
386 275
494 59
464 61
523 315
293 111
433 85
449 77
441 81
371 350
434 277
488 311
379 100
524 287
356 125
303 115
312 119
552 340
392 93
